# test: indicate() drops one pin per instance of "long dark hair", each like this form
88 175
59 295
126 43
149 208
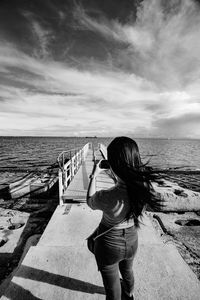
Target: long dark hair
124 159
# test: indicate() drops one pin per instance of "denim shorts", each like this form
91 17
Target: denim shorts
115 246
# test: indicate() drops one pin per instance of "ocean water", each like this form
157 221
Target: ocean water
39 153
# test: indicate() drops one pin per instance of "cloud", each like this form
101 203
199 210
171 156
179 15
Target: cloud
75 97
163 44
66 95
146 83
41 35
187 125
105 27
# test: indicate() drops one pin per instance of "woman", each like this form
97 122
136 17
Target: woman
122 206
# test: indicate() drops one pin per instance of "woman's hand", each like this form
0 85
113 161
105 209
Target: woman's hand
101 166
92 183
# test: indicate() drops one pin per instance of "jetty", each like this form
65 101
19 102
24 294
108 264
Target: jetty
60 265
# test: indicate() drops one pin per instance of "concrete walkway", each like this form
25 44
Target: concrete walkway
61 267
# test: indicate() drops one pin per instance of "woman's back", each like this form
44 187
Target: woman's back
115 205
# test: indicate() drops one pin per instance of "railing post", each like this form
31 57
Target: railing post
79 157
72 166
60 187
63 160
75 167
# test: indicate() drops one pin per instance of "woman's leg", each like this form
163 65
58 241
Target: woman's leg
126 265
126 270
111 281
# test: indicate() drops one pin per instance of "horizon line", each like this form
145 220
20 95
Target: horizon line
95 137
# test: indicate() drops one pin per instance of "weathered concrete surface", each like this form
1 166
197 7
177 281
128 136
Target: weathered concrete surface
161 273
60 266
70 225
65 269
56 273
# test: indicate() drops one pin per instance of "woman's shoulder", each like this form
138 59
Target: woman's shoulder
111 192
105 192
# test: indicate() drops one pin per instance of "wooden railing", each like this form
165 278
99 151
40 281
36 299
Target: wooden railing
69 168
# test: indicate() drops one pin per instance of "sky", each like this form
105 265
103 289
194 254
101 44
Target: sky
100 67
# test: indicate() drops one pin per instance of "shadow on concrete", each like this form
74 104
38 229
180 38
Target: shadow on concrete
59 280
17 292
85 176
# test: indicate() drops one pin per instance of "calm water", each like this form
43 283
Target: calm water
30 153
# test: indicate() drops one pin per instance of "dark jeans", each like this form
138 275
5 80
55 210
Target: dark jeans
115 252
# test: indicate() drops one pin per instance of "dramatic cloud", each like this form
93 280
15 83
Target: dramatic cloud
71 69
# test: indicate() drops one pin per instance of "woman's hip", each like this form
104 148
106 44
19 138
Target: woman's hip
116 246
118 237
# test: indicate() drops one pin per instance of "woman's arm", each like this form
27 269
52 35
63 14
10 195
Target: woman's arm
92 184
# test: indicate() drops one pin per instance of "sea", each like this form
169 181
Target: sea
38 153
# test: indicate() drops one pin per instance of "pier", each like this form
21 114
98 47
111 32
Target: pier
60 265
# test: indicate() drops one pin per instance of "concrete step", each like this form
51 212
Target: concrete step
70 225
55 273
160 271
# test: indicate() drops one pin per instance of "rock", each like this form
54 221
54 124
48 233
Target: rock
176 198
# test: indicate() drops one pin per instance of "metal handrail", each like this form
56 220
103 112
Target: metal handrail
68 170
62 154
